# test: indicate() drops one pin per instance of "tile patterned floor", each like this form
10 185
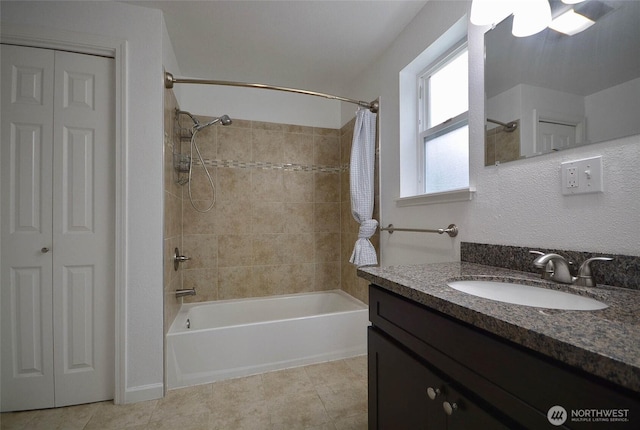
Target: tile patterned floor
325 396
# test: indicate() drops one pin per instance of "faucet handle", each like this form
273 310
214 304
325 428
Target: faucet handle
585 279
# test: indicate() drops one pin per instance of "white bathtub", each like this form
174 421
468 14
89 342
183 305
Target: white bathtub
231 338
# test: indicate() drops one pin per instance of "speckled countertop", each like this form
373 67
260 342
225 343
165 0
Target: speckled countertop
605 343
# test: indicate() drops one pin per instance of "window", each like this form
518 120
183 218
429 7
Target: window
443 135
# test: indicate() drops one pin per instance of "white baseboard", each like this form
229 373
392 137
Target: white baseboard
144 393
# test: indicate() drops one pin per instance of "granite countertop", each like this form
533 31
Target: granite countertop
605 342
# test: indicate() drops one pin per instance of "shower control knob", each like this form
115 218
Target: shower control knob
44 250
177 258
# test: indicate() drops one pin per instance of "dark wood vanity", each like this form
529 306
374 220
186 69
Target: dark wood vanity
430 370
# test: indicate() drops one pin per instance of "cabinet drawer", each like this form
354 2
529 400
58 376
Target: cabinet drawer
493 365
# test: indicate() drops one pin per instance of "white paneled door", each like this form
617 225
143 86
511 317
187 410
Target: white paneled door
57 228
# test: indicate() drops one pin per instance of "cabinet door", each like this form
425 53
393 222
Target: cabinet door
398 385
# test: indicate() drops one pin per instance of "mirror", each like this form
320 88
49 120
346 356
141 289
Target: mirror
550 91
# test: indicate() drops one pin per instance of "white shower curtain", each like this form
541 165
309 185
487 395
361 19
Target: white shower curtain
363 187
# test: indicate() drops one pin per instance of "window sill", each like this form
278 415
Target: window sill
461 195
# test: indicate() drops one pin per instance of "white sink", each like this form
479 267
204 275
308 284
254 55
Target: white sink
527 295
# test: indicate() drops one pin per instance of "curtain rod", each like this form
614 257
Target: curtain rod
169 80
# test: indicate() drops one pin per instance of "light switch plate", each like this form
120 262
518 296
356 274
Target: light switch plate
582 176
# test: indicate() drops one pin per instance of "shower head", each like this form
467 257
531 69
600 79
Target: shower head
224 120
197 126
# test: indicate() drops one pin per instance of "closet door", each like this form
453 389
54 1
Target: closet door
26 224
83 228
58 229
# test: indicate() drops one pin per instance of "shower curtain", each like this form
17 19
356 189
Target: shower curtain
362 186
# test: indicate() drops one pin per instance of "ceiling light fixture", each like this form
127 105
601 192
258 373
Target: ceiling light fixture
530 17
571 23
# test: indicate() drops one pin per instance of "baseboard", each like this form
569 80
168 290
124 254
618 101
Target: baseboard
144 393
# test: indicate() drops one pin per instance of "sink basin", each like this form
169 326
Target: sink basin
527 295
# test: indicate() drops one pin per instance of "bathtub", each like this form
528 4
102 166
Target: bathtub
212 341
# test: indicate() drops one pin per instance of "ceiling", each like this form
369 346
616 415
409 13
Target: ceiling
314 45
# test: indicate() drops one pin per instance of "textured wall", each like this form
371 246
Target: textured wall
518 203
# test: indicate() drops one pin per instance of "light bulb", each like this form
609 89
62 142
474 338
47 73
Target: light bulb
530 17
571 23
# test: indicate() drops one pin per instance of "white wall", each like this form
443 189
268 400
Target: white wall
614 111
143 30
519 203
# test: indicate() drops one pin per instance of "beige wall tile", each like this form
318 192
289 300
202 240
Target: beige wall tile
298 217
327 276
267 185
326 150
235 282
234 144
268 146
232 217
297 248
298 148
298 186
327 187
327 247
267 217
202 249
233 185
235 250
205 283
267 249
326 216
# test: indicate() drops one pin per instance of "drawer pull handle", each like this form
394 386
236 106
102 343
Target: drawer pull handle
449 408
433 393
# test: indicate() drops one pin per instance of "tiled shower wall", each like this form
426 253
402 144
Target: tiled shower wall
273 229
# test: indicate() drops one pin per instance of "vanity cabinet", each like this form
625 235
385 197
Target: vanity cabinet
430 371
409 394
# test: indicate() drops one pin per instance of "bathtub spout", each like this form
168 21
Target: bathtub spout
185 292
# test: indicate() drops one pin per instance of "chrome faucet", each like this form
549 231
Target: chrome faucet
185 292
556 268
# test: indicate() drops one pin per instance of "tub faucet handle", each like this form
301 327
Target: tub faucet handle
178 258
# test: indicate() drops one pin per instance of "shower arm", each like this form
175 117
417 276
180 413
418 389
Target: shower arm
170 80
510 126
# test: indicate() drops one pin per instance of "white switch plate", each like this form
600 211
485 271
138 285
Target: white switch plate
582 176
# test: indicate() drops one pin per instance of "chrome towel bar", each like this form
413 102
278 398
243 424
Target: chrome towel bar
452 230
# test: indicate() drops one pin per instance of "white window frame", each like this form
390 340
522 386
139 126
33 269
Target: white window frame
425 130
